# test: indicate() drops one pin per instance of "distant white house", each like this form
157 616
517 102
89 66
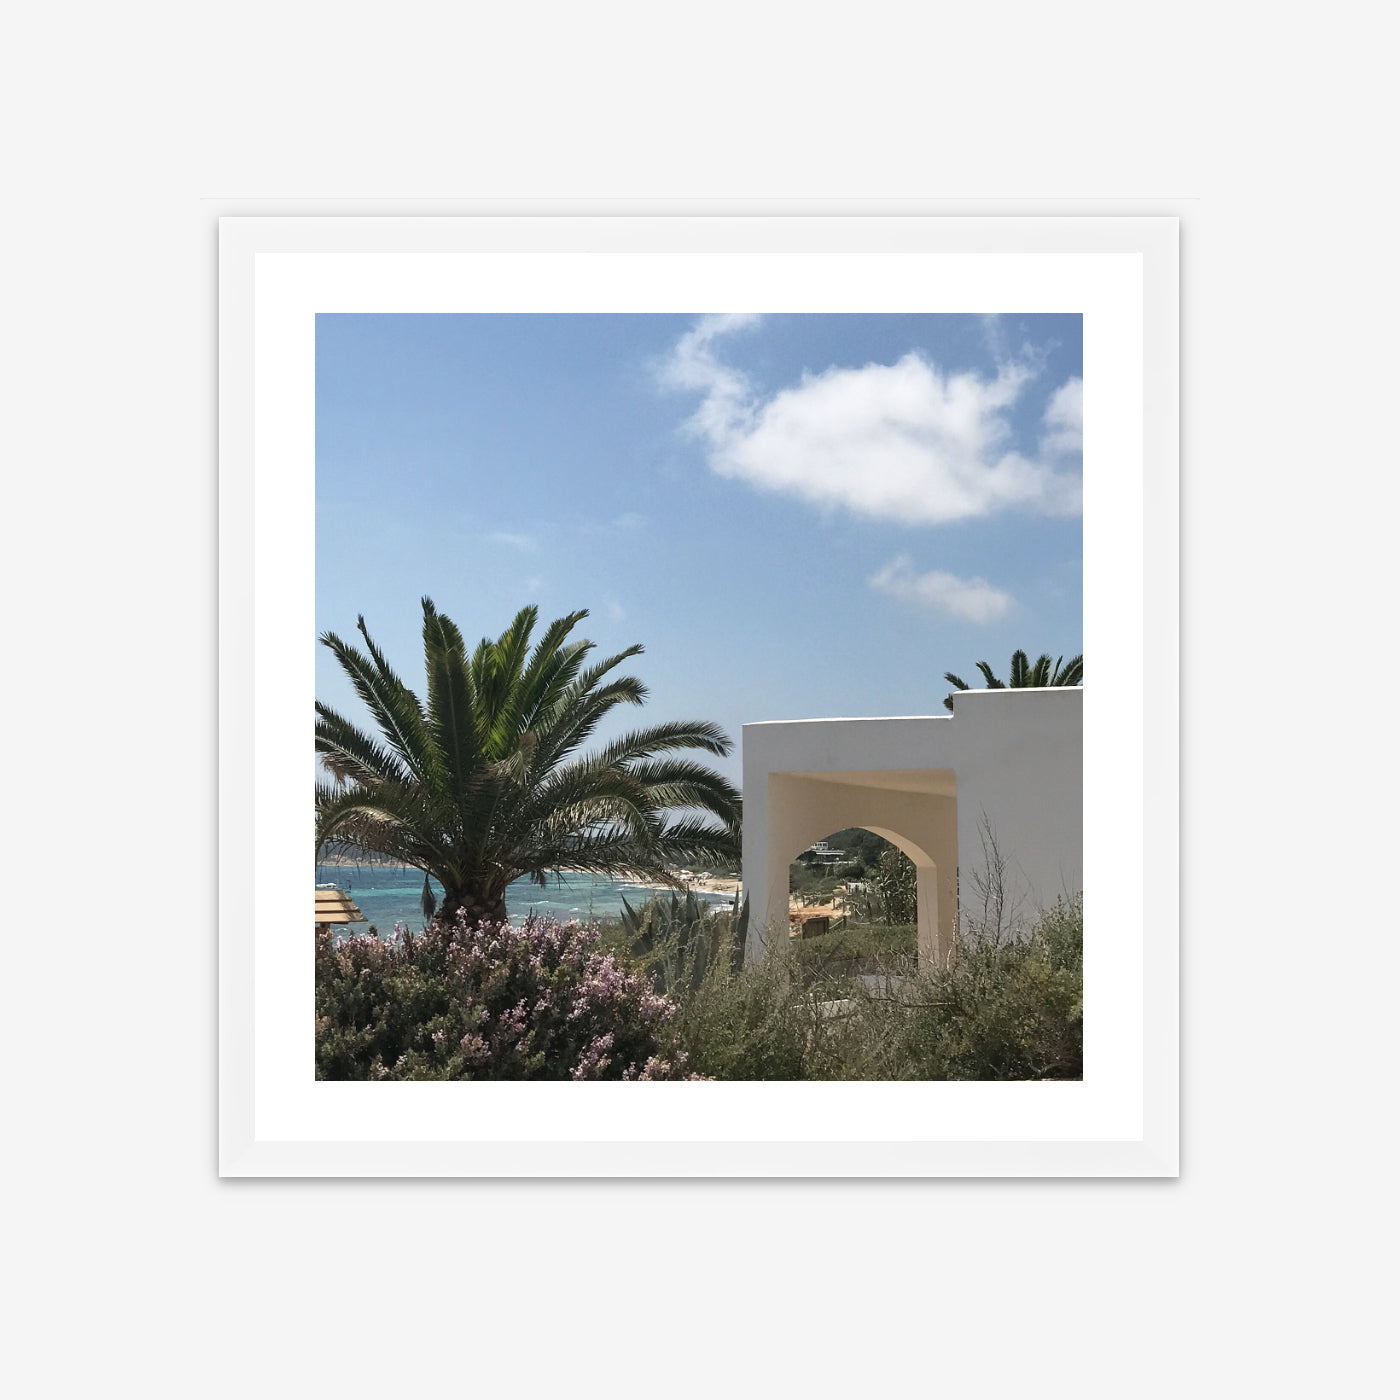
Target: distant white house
821 854
1005 765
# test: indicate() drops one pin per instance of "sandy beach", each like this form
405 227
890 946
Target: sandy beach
701 884
715 885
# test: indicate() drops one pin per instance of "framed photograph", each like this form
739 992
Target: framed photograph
850 872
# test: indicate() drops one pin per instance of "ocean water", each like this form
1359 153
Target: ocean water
387 895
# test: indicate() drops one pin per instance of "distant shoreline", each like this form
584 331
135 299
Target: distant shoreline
715 884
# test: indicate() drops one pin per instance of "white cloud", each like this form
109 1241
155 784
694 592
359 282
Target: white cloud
966 599
515 541
1064 420
900 442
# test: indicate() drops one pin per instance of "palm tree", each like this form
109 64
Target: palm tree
485 783
1023 674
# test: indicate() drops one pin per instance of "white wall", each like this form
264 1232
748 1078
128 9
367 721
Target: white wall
129 1265
1013 759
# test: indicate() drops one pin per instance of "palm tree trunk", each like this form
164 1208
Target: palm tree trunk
482 904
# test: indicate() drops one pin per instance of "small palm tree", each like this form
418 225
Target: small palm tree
485 783
1023 674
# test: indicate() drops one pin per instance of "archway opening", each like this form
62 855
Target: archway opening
862 901
914 810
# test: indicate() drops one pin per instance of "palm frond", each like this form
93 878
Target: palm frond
578 713
549 663
350 754
451 701
958 683
612 849
1073 674
499 673
666 738
694 842
394 708
677 782
385 820
581 792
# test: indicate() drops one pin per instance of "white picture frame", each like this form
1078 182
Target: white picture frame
277 273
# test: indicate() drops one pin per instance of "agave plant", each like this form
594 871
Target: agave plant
1024 675
484 782
679 942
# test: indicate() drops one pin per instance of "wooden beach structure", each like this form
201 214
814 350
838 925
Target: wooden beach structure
335 907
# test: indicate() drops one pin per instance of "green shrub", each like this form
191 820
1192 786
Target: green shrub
1004 1010
742 1022
879 945
748 1024
1011 1009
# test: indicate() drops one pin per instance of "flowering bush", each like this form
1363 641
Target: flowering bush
537 1000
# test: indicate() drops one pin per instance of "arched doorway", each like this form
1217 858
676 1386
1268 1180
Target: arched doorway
914 811
852 899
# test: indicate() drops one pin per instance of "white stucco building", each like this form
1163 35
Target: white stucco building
1008 761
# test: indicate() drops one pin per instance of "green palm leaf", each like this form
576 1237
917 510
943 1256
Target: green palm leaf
1023 674
347 753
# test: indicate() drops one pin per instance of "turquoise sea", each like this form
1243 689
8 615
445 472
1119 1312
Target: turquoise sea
390 894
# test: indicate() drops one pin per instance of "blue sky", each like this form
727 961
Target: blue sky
798 515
